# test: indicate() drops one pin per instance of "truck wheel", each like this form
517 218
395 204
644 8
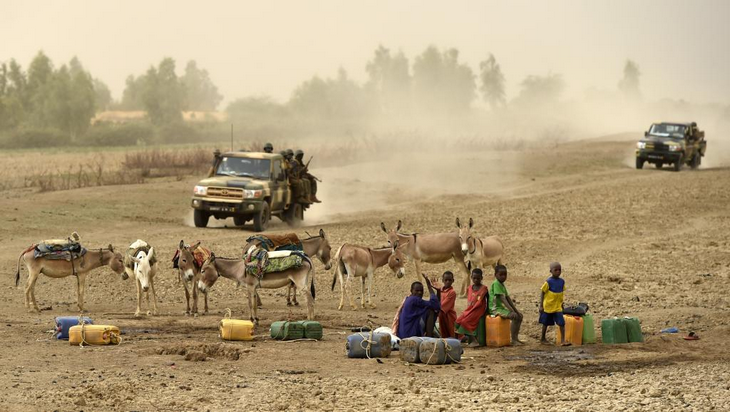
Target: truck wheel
239 220
295 215
261 219
659 165
640 163
200 218
678 164
695 161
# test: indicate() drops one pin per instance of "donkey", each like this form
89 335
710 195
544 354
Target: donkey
55 268
359 261
480 252
143 267
314 246
235 269
189 271
430 248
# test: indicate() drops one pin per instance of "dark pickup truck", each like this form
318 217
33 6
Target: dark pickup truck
671 143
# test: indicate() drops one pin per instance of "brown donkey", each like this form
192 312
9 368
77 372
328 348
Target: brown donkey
55 268
480 252
189 271
430 248
235 270
359 261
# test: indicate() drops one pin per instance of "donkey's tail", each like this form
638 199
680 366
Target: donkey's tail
17 271
311 287
339 268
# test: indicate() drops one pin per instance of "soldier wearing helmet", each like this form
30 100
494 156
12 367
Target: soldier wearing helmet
299 193
269 148
310 182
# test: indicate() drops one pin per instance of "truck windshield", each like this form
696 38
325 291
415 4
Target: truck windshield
668 130
244 167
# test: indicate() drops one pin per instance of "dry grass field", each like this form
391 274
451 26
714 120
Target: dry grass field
647 243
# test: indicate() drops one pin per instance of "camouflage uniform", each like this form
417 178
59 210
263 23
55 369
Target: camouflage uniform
310 181
299 193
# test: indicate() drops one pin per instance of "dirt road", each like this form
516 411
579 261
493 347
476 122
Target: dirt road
652 244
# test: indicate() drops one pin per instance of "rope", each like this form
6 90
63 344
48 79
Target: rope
447 349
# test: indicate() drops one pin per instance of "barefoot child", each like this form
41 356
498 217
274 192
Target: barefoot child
476 306
551 303
502 305
447 314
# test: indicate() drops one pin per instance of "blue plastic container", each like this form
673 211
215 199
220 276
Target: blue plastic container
367 345
64 323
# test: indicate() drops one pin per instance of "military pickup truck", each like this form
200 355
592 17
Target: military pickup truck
246 186
671 143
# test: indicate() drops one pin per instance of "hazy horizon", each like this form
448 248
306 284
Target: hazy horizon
269 49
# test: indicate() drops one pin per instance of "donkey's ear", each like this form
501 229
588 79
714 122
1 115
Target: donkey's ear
181 245
152 252
211 259
458 223
321 233
382 226
195 246
471 223
111 248
395 245
397 228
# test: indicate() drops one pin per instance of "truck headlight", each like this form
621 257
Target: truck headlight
675 148
200 190
253 194
640 145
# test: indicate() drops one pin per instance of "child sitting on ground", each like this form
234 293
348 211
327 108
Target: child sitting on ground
551 303
447 296
502 305
416 317
476 306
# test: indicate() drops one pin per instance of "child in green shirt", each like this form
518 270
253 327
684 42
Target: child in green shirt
500 304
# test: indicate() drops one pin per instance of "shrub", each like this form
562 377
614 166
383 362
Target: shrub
35 138
129 134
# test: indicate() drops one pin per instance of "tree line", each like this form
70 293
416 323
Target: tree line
56 104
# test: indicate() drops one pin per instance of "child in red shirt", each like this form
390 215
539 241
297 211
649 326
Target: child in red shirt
447 314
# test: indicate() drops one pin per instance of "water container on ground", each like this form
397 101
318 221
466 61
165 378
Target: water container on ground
613 331
64 323
284 330
312 329
436 351
589 329
408 349
93 335
368 345
498 331
235 329
573 330
633 329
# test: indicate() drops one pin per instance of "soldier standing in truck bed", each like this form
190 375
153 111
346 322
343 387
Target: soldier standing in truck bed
299 193
307 178
268 148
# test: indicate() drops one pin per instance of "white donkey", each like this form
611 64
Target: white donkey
480 252
141 263
359 261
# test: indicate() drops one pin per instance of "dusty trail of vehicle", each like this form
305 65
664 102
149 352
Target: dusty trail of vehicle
631 243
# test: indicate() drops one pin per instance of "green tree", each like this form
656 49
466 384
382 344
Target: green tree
163 95
82 101
492 87
629 85
102 95
132 95
540 90
389 80
201 93
330 98
441 83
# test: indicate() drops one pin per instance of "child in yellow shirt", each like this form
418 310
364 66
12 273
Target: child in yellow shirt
551 303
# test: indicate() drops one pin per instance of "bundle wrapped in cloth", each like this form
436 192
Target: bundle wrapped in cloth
272 253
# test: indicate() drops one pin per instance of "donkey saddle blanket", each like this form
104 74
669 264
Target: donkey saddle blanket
274 262
200 254
134 249
59 249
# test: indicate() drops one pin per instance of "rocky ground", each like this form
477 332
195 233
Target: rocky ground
647 243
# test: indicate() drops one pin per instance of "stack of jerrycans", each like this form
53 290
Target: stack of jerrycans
621 330
579 330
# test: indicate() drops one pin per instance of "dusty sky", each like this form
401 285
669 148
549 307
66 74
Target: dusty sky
268 47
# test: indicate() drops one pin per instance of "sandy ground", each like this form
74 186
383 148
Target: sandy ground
652 244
